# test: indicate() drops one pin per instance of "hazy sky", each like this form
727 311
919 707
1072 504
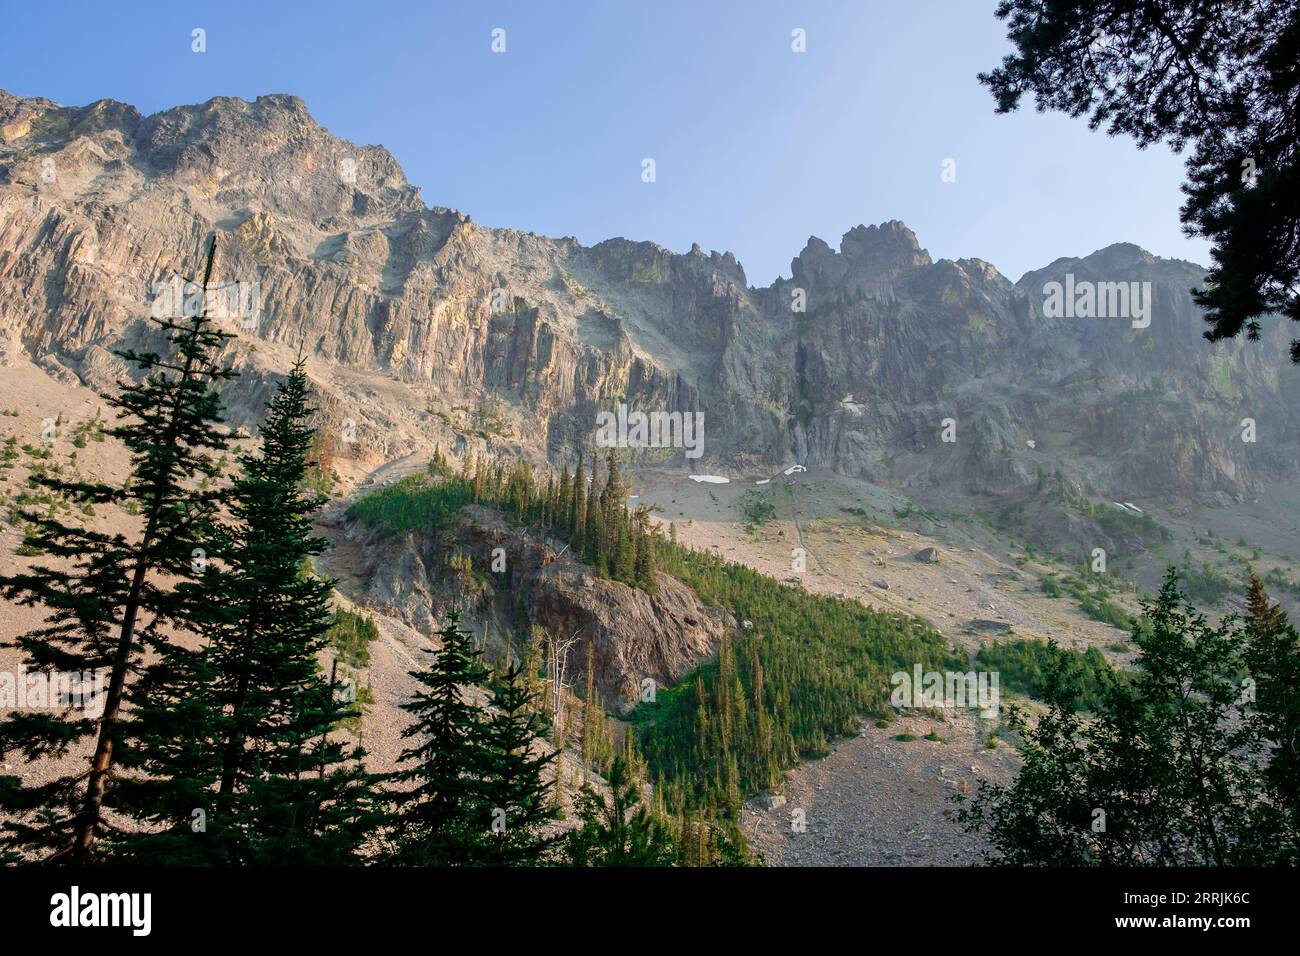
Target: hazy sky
756 147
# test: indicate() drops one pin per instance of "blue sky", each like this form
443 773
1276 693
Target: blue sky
756 147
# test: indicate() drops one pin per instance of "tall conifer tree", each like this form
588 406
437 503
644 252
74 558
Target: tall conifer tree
248 724
441 816
107 605
578 516
1273 659
512 786
564 503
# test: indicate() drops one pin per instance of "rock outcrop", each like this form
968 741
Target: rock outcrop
638 641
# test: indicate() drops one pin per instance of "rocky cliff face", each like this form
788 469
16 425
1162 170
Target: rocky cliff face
634 637
853 364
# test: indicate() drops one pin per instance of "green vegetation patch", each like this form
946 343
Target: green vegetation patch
350 635
1021 665
756 509
411 504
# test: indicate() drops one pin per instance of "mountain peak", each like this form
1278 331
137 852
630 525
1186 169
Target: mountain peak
285 101
867 254
1119 260
887 247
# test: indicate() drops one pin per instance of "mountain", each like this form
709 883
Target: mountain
425 328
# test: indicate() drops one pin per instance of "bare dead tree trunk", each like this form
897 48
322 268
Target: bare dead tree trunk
558 654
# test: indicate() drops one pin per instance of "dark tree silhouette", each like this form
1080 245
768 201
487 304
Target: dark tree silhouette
1217 78
108 606
1187 763
244 729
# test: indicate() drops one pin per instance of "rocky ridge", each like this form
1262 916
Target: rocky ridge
415 317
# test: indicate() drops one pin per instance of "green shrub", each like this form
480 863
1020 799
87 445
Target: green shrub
350 635
1206 585
1021 663
755 509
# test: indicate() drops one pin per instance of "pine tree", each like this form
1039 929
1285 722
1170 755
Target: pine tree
1217 80
110 609
1273 660
596 746
625 556
277 787
594 536
512 786
171 735
614 495
564 503
438 463
613 507
578 516
620 831
534 659
481 477
597 548
645 552
597 544
438 799
766 771
547 514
